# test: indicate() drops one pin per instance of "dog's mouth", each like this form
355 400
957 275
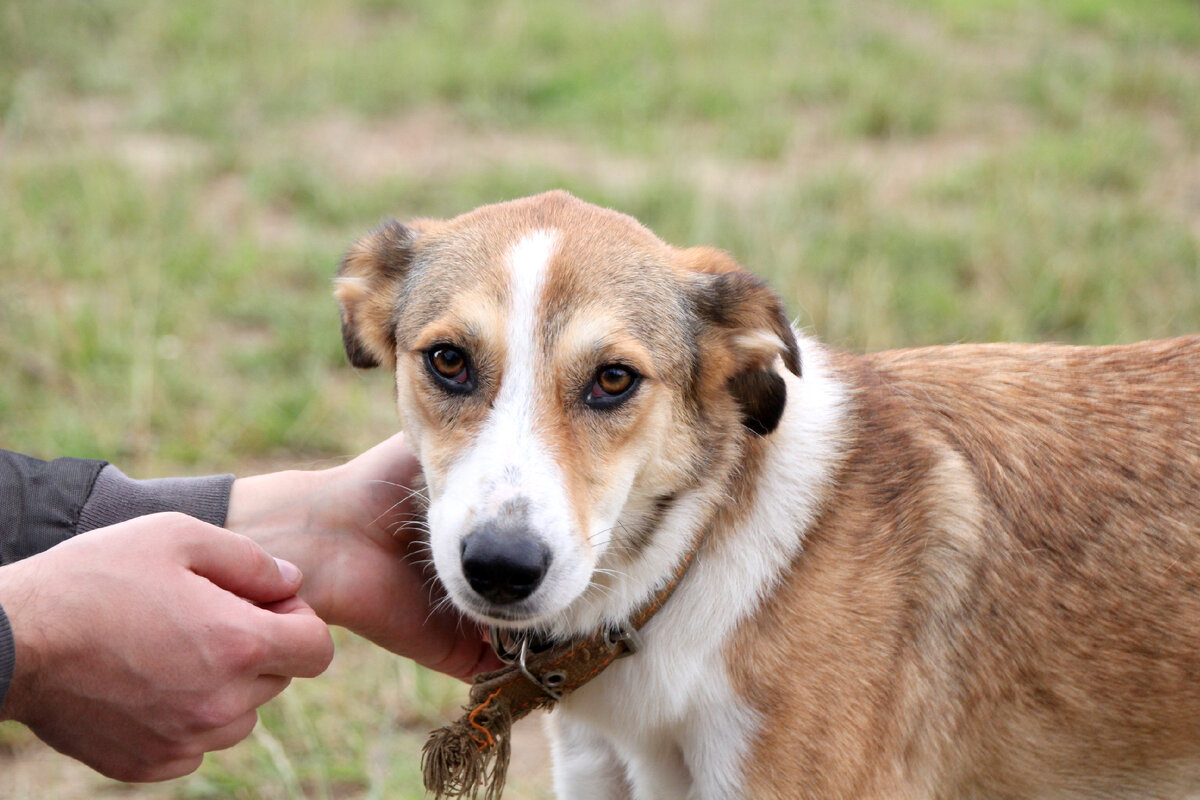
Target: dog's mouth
519 615
504 616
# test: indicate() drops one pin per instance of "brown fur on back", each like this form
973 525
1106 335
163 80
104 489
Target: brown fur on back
1002 596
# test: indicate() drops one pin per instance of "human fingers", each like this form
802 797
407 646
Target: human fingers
289 605
221 738
238 565
249 697
298 643
227 735
186 755
464 650
388 476
153 773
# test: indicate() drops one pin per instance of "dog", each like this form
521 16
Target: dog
969 571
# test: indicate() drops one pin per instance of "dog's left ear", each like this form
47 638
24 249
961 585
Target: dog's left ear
367 289
746 324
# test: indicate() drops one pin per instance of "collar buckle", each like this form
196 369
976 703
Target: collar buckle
551 683
514 648
626 635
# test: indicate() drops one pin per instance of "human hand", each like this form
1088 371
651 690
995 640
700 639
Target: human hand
352 531
144 645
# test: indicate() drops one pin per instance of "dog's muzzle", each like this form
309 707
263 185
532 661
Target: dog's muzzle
504 565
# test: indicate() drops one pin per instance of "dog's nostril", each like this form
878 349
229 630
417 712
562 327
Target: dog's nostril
504 567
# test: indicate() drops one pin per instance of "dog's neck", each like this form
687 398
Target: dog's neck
708 518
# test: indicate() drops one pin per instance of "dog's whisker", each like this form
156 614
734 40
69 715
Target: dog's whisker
409 525
413 491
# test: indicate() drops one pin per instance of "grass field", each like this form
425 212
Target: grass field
178 181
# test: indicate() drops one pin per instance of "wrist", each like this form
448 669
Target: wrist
278 512
266 505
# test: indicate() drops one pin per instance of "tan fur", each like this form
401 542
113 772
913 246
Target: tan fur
999 596
1002 598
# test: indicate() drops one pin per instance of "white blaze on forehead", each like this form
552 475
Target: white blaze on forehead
509 453
528 263
511 433
510 463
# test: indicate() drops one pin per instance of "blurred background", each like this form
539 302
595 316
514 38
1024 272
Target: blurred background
179 180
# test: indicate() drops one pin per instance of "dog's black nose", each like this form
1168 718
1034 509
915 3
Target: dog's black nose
503 566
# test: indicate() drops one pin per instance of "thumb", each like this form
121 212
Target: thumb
238 565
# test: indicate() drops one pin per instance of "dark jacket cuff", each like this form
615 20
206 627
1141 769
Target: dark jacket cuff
117 498
8 656
40 502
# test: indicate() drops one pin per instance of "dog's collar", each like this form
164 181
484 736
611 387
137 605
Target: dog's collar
471 755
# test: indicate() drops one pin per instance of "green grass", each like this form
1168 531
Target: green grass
178 181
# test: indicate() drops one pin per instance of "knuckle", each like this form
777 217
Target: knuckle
233 733
242 651
242 727
180 751
215 713
318 649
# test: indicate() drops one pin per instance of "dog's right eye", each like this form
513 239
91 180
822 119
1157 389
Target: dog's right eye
449 366
612 385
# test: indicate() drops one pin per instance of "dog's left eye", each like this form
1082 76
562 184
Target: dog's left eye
450 367
612 385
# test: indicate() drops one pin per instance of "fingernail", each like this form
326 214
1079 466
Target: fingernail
289 571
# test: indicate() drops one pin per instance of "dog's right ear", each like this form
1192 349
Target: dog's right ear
747 331
367 289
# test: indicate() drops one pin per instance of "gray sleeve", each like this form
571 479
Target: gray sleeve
40 501
116 498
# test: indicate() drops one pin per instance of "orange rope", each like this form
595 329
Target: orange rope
490 740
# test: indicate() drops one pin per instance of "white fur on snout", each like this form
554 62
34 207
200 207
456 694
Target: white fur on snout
510 471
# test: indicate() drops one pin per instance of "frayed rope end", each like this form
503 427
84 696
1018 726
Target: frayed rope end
470 755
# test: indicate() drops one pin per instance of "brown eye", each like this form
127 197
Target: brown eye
614 380
449 366
613 385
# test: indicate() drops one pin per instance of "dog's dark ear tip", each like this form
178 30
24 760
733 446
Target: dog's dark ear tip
791 348
359 356
793 363
761 398
367 288
359 360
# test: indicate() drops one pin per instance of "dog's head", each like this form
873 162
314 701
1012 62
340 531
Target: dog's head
565 378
